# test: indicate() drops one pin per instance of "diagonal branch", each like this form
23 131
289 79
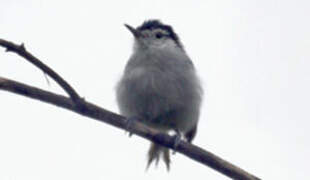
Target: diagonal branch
21 50
100 114
95 112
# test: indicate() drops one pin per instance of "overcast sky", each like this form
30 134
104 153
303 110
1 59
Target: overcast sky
252 57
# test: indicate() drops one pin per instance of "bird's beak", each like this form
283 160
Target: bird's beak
135 32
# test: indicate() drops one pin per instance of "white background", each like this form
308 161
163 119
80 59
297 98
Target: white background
252 57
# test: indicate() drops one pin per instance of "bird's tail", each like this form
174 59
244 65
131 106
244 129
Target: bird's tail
156 152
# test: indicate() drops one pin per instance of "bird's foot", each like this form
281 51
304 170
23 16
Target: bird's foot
129 122
177 140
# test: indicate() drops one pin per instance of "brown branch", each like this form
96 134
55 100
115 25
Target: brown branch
90 110
21 50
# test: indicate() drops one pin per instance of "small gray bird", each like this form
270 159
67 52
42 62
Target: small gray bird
160 86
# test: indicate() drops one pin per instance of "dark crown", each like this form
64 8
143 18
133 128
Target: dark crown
156 24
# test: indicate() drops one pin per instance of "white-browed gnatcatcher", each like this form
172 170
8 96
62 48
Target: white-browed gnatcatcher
160 85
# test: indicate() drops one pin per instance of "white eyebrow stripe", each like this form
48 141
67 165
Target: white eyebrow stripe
162 31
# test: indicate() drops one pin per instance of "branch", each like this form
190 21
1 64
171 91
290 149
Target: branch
91 110
21 50
95 112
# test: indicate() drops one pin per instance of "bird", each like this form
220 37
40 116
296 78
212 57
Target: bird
160 86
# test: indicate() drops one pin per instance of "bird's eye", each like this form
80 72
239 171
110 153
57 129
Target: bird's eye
159 35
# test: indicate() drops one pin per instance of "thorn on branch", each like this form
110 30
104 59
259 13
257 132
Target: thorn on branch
12 48
22 47
46 78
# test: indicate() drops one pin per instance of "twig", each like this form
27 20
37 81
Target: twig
21 50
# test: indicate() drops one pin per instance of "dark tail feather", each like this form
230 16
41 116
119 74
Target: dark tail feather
167 158
155 152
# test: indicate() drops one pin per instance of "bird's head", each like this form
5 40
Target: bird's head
153 33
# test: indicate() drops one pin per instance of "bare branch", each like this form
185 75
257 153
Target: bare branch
100 114
90 110
21 50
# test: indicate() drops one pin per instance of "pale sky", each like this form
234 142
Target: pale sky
252 57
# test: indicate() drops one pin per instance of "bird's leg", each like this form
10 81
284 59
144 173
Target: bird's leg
129 122
177 140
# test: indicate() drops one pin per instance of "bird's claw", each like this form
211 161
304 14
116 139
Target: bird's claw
177 140
129 123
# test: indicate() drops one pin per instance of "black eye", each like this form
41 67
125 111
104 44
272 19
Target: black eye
159 35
